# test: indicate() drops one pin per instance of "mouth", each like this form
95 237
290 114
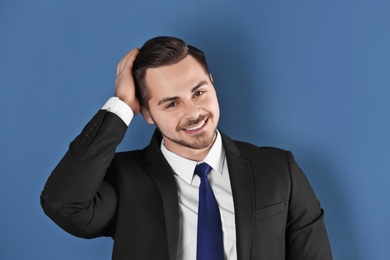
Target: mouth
196 128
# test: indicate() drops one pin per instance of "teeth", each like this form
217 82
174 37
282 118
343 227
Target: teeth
195 128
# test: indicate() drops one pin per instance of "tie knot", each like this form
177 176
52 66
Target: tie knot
202 169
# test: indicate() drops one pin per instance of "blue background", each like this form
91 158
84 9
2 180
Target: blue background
308 76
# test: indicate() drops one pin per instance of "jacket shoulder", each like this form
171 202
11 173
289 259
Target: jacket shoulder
251 150
129 158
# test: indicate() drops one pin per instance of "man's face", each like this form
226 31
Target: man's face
183 105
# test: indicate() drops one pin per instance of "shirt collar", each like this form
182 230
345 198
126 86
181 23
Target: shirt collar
185 168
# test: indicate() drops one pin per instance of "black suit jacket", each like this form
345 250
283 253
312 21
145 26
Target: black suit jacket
132 196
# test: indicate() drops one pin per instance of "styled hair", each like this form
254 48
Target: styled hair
158 52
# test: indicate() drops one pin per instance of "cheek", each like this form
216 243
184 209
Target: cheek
168 120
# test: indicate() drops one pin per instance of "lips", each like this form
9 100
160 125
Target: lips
196 128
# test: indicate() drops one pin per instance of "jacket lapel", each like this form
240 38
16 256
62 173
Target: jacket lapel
161 173
241 179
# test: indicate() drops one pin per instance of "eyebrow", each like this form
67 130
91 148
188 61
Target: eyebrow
168 99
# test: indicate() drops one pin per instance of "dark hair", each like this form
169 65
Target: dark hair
158 52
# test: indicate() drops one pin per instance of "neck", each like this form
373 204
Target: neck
192 154
197 155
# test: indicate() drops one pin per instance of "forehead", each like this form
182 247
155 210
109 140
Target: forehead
183 74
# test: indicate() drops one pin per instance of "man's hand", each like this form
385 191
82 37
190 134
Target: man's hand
124 82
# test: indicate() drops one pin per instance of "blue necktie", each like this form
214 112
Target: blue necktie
210 241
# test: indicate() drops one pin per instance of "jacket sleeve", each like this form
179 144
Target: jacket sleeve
306 235
77 195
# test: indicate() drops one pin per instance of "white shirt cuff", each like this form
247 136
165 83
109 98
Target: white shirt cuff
119 108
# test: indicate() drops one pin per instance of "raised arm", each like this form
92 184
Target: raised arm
79 195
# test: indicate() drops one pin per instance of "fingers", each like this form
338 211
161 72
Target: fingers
127 61
124 82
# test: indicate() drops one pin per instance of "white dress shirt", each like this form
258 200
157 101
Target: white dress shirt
188 187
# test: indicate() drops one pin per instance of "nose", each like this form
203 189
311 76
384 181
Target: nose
192 111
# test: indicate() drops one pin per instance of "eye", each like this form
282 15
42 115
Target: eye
171 105
199 92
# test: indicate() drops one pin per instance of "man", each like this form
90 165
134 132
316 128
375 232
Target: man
147 200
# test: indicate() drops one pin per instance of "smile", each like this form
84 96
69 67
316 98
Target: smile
196 128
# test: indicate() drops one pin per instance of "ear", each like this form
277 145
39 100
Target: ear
145 113
211 78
